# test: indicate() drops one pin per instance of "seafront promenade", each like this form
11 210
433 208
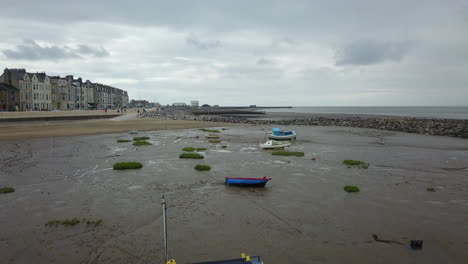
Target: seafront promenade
33 114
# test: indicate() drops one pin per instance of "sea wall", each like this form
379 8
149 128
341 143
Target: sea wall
438 127
56 118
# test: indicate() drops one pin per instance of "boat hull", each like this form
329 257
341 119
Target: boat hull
283 137
271 146
250 182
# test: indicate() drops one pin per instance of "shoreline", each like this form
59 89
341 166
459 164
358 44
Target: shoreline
174 118
34 130
426 126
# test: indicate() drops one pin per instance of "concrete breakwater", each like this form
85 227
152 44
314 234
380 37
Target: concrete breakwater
438 127
226 112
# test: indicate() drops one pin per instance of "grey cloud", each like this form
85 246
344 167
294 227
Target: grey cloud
31 50
367 52
96 52
193 40
299 35
286 41
248 72
263 61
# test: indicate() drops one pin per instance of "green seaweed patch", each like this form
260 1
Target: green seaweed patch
127 165
189 149
93 223
140 138
70 222
210 130
53 223
288 153
356 163
431 189
202 167
191 156
123 140
214 141
66 222
141 143
73 222
200 149
7 190
351 188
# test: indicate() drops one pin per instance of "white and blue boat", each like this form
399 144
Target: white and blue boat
251 182
278 134
272 144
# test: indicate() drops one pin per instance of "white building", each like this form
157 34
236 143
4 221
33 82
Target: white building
194 103
35 88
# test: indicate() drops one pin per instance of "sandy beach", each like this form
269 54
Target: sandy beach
303 214
121 124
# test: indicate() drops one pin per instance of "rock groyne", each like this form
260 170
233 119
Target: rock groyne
437 127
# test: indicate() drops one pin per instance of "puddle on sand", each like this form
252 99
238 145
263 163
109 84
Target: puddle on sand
279 161
206 188
152 162
116 149
135 187
248 149
222 150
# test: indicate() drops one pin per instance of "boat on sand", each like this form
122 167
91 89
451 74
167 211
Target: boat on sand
251 182
272 144
278 134
212 136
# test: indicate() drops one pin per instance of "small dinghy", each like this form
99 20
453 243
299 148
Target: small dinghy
134 132
212 136
276 133
272 144
251 182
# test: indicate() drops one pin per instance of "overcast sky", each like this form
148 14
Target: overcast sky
299 53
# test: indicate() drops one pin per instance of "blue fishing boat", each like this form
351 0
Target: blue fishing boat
278 134
253 182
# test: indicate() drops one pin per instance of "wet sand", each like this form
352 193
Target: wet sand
301 216
124 123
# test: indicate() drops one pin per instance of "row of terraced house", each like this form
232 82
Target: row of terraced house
24 91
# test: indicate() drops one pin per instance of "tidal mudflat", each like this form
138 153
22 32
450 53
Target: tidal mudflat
303 215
